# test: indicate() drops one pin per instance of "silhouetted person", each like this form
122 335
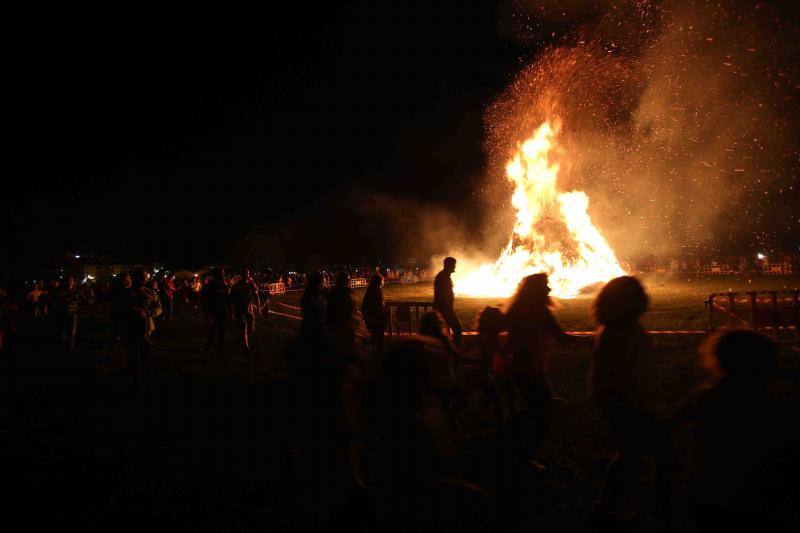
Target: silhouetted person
245 298
736 429
313 304
167 292
53 291
373 310
36 299
141 304
341 307
443 355
418 483
620 378
215 301
120 295
484 400
69 305
444 299
529 319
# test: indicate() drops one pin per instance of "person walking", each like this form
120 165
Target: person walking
621 378
215 301
444 299
529 318
139 305
70 301
245 298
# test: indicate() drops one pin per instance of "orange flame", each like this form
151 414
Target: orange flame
572 251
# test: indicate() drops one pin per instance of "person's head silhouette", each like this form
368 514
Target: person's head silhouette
621 301
741 356
450 264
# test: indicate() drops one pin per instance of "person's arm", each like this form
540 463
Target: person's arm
258 298
559 335
155 306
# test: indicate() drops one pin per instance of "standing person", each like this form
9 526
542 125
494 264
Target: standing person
140 304
70 300
620 377
168 296
120 295
53 291
373 309
313 303
444 299
215 301
529 318
244 296
196 287
36 298
341 308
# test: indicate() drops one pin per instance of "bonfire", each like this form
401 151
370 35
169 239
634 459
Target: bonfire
552 233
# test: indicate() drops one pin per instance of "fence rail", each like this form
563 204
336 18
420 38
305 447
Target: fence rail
774 312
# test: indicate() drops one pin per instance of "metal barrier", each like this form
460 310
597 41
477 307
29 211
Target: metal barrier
358 282
403 317
777 269
715 269
409 277
277 288
770 311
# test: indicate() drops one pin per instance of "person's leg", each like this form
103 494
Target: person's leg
221 330
72 333
540 415
251 319
626 427
131 356
211 329
144 363
455 326
244 327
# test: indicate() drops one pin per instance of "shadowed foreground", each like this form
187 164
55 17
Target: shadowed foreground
208 445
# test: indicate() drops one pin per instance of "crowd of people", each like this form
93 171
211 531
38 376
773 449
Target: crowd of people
440 428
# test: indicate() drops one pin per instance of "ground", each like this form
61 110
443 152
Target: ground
205 447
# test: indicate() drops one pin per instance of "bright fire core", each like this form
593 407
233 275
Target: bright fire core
552 232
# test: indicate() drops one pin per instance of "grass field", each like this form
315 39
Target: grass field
204 447
676 303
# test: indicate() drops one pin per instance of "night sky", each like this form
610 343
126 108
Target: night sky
173 137
170 138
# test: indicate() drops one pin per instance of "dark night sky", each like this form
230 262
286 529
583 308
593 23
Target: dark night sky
170 138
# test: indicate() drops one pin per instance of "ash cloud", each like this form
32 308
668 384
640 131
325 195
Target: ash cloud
680 120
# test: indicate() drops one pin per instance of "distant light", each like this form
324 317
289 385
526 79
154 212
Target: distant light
761 256
77 256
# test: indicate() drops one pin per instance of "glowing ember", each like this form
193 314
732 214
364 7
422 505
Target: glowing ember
552 233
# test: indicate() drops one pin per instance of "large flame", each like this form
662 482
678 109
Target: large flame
552 233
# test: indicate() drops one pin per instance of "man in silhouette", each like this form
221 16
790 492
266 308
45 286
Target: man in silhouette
443 298
215 301
244 297
138 305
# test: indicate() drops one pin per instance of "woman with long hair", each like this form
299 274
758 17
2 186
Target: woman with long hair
529 320
620 378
